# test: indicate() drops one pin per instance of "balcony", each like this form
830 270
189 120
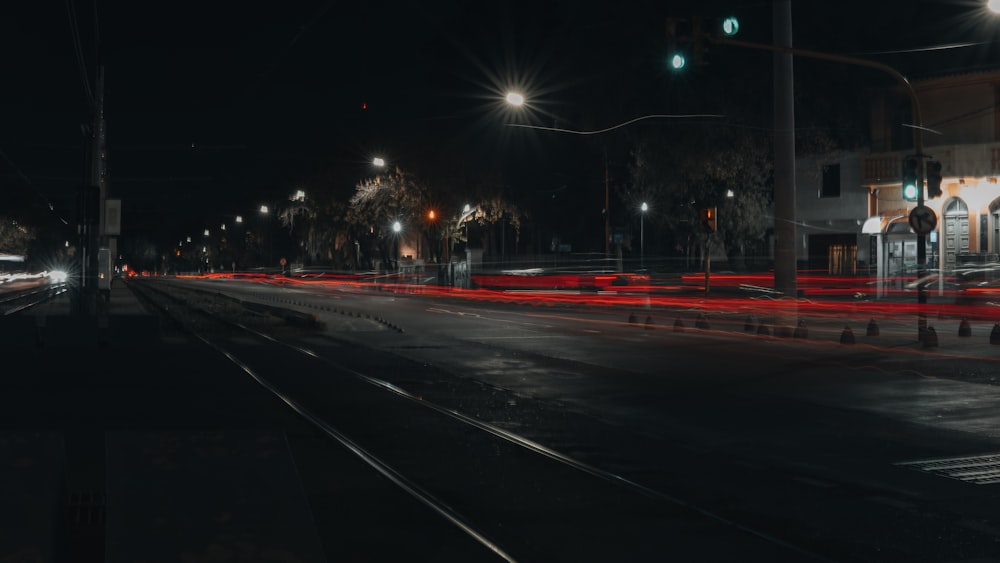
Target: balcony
956 161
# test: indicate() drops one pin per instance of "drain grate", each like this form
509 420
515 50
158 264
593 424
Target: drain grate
978 469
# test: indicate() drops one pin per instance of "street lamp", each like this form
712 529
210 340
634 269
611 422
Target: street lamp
994 6
642 236
396 228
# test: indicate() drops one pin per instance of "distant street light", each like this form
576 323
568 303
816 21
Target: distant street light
642 236
396 228
994 6
378 162
515 99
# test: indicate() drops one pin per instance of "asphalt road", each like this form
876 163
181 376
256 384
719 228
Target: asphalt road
810 441
812 447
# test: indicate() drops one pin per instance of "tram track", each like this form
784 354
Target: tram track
464 470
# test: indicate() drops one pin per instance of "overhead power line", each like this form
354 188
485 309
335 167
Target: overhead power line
80 63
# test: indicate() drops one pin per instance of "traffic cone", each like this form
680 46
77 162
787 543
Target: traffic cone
800 330
964 329
930 337
631 319
702 321
847 336
872 328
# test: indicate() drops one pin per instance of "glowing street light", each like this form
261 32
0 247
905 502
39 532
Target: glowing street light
380 162
993 6
515 99
642 235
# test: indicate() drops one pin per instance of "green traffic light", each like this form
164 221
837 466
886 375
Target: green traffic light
730 26
677 62
910 192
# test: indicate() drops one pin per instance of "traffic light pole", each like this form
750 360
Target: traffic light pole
918 141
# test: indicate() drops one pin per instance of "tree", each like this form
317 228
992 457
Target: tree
15 237
728 168
380 201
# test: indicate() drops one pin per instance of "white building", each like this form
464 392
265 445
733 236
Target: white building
851 212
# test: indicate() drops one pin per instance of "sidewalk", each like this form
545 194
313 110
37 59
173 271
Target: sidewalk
62 323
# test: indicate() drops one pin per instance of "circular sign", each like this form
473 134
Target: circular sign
282 261
922 219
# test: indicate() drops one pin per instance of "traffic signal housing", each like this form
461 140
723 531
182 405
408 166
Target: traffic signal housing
709 220
911 175
933 179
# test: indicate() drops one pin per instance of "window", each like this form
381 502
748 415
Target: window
831 181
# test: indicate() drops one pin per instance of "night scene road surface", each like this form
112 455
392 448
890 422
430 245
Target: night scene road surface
877 451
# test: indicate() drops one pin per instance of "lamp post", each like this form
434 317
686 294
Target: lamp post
265 213
396 228
642 236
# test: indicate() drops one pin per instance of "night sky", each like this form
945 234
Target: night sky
215 107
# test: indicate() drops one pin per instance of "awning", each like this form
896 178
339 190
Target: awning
876 224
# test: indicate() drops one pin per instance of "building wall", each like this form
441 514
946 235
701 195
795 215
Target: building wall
962 115
829 217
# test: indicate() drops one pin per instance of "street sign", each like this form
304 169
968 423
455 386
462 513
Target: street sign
922 219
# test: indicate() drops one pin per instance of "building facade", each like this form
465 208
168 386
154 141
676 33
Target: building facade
852 216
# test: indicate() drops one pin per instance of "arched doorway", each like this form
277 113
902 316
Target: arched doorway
994 248
956 232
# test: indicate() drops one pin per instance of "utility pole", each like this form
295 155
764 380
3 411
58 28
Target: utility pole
607 209
784 7
92 221
785 261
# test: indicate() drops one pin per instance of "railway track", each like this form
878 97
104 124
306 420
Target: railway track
514 498
21 300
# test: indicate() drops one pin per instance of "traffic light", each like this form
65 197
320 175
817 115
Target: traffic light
709 220
911 188
933 179
676 43
730 26
686 42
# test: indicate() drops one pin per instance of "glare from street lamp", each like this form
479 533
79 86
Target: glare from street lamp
396 227
645 207
515 99
994 6
378 162
264 210
467 208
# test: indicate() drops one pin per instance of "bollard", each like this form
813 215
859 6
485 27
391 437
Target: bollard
847 336
678 325
930 337
801 331
702 321
872 328
749 325
763 331
964 329
631 319
649 322
995 334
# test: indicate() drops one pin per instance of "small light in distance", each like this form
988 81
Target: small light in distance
677 62
396 227
378 162
57 276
